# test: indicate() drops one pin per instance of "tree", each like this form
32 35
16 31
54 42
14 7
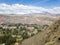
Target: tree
10 41
25 35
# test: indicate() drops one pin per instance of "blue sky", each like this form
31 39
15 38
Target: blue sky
29 6
43 3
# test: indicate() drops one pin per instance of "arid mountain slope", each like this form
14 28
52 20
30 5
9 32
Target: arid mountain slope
50 36
28 19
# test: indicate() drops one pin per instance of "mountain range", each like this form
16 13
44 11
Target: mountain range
28 18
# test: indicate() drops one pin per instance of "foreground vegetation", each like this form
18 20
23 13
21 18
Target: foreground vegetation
11 33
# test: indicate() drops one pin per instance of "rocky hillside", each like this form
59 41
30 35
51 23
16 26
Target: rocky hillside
50 36
28 19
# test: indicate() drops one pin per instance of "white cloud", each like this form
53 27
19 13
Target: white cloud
25 9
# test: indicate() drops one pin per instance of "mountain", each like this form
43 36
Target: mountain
50 36
28 19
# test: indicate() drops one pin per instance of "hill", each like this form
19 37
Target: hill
28 19
50 36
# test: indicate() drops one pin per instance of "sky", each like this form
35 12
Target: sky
29 6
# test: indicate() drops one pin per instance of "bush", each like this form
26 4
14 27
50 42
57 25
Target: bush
10 41
25 35
7 39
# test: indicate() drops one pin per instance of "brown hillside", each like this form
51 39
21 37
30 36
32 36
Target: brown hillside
51 36
28 19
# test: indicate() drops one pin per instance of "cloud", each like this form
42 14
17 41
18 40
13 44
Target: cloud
25 9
